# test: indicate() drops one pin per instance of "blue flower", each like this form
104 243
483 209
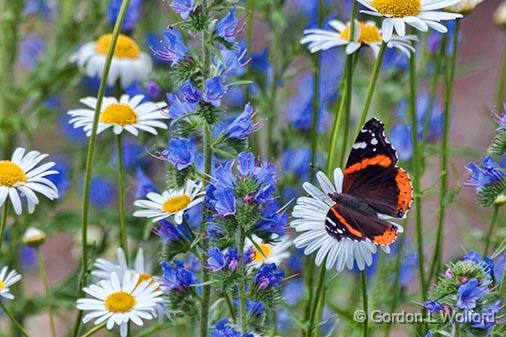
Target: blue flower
400 136
229 27
242 127
486 263
44 8
253 308
177 277
487 320
132 14
272 222
171 49
173 234
269 276
215 90
178 107
28 257
469 293
232 61
133 155
433 307
223 329
499 264
31 49
179 153
429 334
189 93
102 192
183 7
216 259
144 184
222 200
294 291
61 180
489 174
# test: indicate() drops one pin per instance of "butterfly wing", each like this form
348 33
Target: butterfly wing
371 173
343 222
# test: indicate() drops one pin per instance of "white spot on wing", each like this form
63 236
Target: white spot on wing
361 145
374 141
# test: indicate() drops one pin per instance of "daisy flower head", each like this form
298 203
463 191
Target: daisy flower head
311 217
266 253
121 302
129 63
6 281
500 14
22 177
365 33
171 203
420 14
465 7
104 267
129 114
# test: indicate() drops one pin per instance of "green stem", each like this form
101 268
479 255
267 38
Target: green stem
243 313
396 286
451 62
89 160
13 320
208 154
318 299
372 87
316 101
123 236
94 330
491 226
45 282
3 224
230 306
365 302
501 85
416 162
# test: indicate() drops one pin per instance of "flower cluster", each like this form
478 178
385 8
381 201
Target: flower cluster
469 287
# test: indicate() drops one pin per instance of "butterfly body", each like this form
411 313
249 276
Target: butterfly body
374 190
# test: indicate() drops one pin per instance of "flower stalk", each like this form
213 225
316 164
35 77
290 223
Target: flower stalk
3 224
491 227
123 237
45 282
89 160
13 320
365 301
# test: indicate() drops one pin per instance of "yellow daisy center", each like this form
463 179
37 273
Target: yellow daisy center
176 204
11 174
120 302
369 33
126 47
262 253
118 114
398 8
2 285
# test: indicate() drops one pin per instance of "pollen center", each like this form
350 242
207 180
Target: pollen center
2 285
369 33
11 174
118 114
262 253
126 47
120 302
176 204
398 8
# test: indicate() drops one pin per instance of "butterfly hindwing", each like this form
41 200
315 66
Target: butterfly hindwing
346 223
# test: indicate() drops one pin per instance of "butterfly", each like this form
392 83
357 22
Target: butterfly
374 190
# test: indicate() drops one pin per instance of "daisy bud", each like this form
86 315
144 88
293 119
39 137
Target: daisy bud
500 200
500 15
34 237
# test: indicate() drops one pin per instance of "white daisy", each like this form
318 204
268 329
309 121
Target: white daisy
173 202
311 216
119 303
127 114
129 63
6 281
104 268
420 14
465 7
366 33
21 176
266 253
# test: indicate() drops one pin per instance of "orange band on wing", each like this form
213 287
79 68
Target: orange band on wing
405 190
386 238
380 160
343 221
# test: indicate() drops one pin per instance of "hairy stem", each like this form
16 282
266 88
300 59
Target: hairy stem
3 224
365 301
491 227
89 160
243 313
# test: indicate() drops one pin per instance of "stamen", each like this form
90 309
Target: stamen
120 302
11 174
118 114
125 46
176 204
398 8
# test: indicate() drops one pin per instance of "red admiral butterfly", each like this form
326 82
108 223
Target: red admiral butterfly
374 188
